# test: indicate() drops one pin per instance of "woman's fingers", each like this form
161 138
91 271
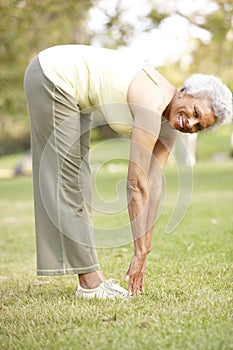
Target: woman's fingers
136 285
136 275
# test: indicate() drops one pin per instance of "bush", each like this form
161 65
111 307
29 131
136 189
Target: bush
14 136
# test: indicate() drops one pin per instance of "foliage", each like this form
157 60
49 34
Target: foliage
28 26
214 57
121 24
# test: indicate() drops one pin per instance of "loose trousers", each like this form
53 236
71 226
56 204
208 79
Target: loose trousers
60 141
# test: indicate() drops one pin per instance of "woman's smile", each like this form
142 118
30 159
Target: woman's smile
179 122
189 114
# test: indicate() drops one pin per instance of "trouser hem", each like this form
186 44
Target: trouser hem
71 271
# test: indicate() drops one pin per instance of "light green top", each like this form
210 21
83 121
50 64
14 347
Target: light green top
97 78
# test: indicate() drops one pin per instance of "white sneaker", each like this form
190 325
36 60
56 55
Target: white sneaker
106 290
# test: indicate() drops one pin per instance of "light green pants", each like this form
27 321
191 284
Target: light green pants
60 140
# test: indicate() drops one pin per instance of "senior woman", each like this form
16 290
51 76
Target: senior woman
63 85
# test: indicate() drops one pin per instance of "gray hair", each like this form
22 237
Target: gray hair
211 87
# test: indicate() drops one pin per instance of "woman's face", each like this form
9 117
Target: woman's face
190 114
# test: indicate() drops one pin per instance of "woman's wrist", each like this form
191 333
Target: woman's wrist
141 252
142 246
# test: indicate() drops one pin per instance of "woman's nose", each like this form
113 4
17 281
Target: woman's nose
192 122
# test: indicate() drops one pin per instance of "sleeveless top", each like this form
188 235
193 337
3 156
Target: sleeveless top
97 78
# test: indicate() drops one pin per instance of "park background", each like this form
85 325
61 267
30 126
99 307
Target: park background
188 302
179 37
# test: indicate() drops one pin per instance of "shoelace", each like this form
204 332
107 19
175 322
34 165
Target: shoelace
115 287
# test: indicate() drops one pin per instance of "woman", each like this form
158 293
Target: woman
63 85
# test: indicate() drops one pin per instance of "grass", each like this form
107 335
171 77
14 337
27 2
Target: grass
211 146
188 299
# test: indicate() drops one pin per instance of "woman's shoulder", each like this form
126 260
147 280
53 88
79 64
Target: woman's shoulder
150 89
162 82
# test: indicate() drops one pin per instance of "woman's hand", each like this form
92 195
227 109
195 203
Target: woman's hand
136 274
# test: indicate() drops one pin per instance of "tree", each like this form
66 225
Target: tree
120 23
215 55
27 27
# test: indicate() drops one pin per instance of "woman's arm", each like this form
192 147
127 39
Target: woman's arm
138 193
147 159
143 202
144 97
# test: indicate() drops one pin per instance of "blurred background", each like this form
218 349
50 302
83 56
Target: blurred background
179 37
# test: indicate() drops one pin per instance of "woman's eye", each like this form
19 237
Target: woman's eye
195 112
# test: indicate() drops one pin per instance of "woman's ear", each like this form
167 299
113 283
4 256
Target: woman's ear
182 92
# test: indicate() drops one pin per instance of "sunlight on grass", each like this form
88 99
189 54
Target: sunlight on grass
188 299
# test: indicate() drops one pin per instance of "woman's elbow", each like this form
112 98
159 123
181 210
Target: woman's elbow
137 189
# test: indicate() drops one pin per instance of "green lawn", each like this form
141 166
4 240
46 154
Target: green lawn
188 299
